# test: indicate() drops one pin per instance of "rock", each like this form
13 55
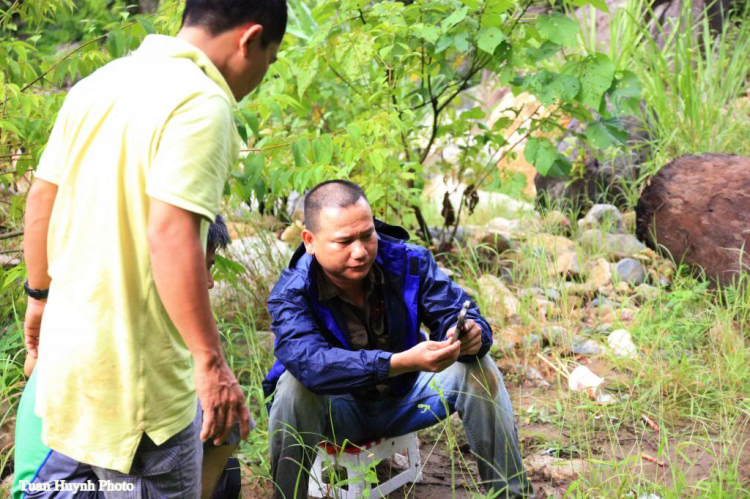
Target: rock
553 468
544 308
696 209
552 245
566 264
262 255
631 271
604 217
645 292
582 346
600 273
498 241
292 235
621 344
617 245
622 288
498 297
629 219
533 375
580 288
552 294
556 221
504 225
555 335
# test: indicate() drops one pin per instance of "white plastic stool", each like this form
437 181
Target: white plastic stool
356 460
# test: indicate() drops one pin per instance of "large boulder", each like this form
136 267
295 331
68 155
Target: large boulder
696 210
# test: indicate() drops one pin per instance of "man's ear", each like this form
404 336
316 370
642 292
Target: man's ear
251 35
308 238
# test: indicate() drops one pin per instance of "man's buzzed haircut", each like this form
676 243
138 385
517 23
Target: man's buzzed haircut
218 16
330 194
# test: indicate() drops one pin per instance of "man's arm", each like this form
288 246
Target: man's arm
179 269
39 205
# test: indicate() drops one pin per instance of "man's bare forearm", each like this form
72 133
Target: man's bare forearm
36 225
179 268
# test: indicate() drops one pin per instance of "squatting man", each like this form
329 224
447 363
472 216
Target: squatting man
352 363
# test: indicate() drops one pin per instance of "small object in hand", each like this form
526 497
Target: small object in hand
461 323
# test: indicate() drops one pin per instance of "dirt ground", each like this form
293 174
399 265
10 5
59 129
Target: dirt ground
689 463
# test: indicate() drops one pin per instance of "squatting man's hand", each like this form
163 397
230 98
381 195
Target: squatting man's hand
471 340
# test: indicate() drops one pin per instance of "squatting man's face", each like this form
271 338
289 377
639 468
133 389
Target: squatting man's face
345 244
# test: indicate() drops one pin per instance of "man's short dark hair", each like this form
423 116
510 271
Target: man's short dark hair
218 16
330 194
218 235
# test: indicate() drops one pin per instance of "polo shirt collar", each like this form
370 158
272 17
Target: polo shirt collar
169 46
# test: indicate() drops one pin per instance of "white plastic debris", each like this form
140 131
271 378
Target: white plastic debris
583 379
621 344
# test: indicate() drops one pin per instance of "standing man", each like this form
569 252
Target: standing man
351 362
115 232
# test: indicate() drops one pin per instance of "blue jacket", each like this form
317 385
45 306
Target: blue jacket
312 339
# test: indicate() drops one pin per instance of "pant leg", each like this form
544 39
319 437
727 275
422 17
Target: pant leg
484 406
296 425
168 471
477 392
299 420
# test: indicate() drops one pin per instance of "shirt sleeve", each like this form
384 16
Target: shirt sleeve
196 151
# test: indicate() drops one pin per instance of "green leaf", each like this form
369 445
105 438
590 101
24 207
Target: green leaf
299 150
427 32
489 39
558 29
606 133
595 73
547 160
461 42
456 17
493 10
549 87
625 93
323 150
599 4
547 50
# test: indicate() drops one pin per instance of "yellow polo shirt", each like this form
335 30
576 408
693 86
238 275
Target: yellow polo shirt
112 365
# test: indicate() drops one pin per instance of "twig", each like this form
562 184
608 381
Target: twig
9 235
5 252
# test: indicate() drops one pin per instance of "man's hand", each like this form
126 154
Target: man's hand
222 401
471 340
428 356
32 325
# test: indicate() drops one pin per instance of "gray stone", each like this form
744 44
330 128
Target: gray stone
552 294
603 216
555 335
616 245
586 347
631 271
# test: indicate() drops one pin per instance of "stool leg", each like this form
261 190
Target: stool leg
357 479
316 488
415 460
